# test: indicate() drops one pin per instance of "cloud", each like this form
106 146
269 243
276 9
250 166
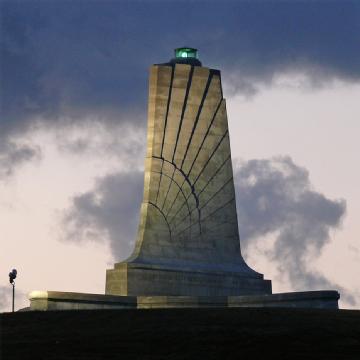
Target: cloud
13 154
274 196
74 62
80 58
94 138
108 213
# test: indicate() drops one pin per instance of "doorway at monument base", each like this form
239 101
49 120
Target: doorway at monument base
55 300
144 279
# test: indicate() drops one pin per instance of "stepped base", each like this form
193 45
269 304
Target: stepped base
54 300
139 279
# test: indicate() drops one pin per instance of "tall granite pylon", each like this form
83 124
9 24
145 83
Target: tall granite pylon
188 239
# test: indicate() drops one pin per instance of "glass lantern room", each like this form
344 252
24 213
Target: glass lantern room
185 52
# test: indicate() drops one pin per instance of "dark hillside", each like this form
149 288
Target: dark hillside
182 334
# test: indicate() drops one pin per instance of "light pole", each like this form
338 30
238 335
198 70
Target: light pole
12 277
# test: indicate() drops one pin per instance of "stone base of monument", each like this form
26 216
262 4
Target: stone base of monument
55 300
143 279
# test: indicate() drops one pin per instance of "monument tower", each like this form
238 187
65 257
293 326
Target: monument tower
188 239
187 251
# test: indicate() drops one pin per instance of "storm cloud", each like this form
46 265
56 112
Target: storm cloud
274 196
75 61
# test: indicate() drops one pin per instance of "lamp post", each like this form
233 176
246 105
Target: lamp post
12 277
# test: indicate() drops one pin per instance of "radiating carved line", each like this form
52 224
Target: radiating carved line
221 207
169 211
197 154
197 116
182 205
204 205
210 157
196 120
157 194
216 172
183 219
183 109
186 178
205 136
167 193
167 107
197 207
216 193
183 230
186 216
210 226
191 225
155 206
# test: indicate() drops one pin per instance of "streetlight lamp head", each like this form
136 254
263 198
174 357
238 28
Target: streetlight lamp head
12 275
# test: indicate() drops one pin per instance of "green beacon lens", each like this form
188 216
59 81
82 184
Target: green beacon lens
185 52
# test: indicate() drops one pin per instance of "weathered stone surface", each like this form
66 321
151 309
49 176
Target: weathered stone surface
188 240
55 300
58 300
185 280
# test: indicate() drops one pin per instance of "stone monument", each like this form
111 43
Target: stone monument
188 239
187 251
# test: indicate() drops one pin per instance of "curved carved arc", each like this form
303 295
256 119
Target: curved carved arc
198 176
186 179
204 187
140 248
157 208
206 217
218 192
182 193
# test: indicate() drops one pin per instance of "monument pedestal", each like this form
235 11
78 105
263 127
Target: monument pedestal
56 300
141 279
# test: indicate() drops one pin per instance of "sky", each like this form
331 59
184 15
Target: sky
74 83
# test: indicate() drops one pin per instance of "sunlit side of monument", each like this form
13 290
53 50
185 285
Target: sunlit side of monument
187 251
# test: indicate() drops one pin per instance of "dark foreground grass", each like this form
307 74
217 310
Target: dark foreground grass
181 334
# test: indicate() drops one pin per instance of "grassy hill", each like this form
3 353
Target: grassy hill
181 334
